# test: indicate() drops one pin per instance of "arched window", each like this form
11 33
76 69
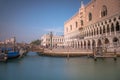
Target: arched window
103 29
81 22
108 29
97 31
81 45
90 16
112 27
104 11
117 26
115 39
76 24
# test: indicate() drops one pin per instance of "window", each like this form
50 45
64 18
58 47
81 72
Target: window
90 16
119 18
101 23
109 20
114 19
81 22
103 29
76 24
97 31
112 27
117 26
104 11
105 22
108 30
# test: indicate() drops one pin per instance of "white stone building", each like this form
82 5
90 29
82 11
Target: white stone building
10 41
57 41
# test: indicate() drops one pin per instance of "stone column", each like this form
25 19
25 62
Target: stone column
91 44
110 29
98 31
114 29
86 45
106 30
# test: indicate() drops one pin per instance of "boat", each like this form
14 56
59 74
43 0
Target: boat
13 54
3 57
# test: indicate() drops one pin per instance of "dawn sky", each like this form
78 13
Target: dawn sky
27 20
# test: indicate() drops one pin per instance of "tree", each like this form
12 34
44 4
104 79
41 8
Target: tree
36 42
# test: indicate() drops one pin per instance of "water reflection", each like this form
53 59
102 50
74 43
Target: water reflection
34 67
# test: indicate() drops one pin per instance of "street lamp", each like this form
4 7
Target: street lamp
14 41
51 35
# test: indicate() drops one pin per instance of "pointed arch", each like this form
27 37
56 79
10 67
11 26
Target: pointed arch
81 44
117 26
81 21
88 44
78 44
103 28
112 27
100 30
108 29
106 41
97 31
115 39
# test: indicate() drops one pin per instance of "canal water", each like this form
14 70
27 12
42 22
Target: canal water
34 67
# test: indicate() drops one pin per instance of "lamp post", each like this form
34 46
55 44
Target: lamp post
14 41
51 35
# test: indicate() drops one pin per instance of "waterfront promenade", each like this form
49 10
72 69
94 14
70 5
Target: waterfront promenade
68 52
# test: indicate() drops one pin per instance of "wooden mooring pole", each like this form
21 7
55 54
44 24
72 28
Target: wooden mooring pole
68 56
115 54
